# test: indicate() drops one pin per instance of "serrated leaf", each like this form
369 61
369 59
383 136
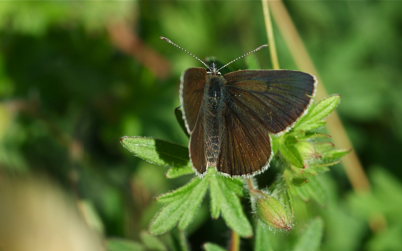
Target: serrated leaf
234 184
151 242
181 206
262 241
167 218
157 152
175 172
317 113
231 209
192 204
180 192
216 200
311 238
213 247
123 245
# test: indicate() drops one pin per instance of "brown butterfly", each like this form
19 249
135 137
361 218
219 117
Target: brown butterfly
230 117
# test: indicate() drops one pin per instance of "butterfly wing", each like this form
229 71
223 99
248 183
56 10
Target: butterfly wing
259 103
192 92
276 98
245 142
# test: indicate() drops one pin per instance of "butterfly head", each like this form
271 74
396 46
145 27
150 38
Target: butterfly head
213 69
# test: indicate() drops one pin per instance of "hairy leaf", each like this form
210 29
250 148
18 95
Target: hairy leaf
157 152
181 205
227 201
317 113
175 172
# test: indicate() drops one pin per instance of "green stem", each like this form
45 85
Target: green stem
270 34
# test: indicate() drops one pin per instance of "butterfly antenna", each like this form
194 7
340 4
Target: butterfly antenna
244 55
186 51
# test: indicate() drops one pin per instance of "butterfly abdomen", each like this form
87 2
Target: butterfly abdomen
214 104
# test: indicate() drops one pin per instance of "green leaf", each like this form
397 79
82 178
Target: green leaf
233 184
178 241
328 158
262 241
291 154
179 117
216 198
192 203
317 113
123 245
151 242
311 188
180 192
226 200
180 206
175 172
311 238
213 247
157 152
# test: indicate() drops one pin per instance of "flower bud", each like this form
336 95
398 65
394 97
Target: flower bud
272 212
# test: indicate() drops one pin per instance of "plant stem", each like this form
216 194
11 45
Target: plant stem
351 163
270 33
234 242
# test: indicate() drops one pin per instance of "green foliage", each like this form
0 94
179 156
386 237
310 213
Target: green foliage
123 245
309 152
305 156
381 208
212 247
160 153
181 205
262 239
153 243
68 91
311 238
148 242
224 193
317 113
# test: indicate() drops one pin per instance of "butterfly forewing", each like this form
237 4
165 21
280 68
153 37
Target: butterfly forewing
192 88
275 98
192 93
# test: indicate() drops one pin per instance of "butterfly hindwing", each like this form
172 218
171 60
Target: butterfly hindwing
197 145
245 142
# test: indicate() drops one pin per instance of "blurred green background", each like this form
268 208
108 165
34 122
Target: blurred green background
75 76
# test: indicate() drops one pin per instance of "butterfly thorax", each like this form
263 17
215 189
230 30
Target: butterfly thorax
214 104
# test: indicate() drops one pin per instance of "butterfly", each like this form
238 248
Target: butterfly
230 117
